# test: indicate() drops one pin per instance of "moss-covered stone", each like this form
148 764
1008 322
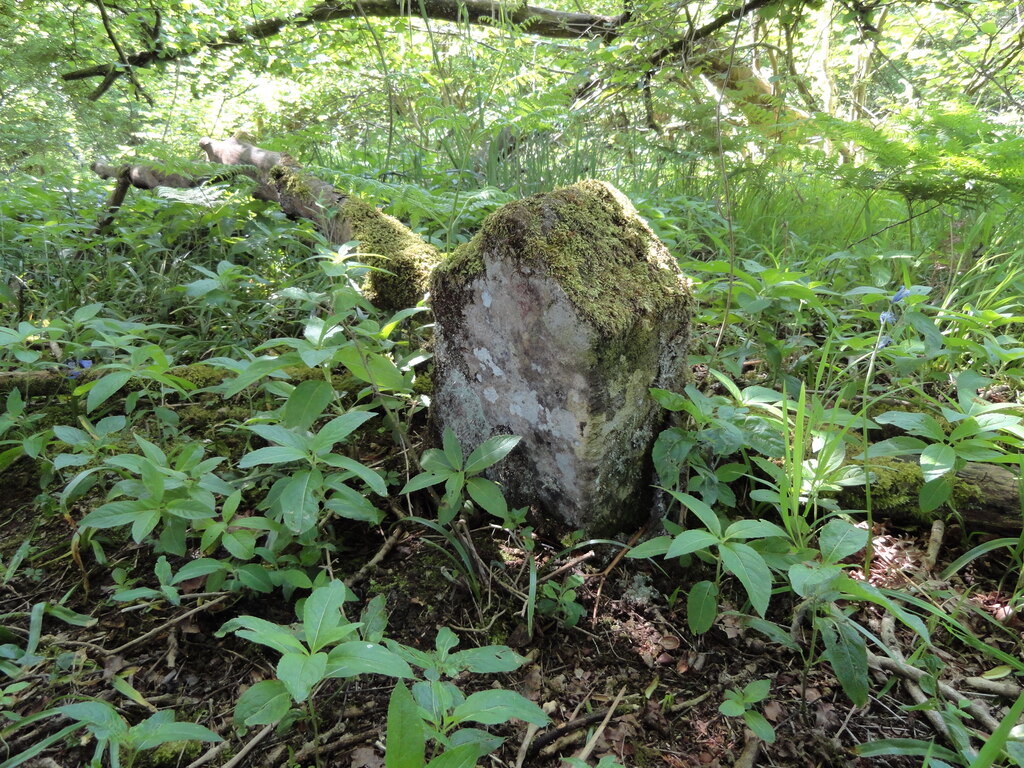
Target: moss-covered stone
552 324
387 244
591 239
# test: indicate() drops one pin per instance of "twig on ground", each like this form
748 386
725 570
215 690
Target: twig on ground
1005 688
585 752
748 757
209 755
165 626
373 562
551 737
913 676
566 566
235 761
976 710
934 545
611 566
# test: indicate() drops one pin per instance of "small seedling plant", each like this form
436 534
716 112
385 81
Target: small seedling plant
741 703
435 709
323 646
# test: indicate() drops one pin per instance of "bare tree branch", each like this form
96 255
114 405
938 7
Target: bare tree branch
531 19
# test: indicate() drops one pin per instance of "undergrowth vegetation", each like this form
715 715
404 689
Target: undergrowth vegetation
201 415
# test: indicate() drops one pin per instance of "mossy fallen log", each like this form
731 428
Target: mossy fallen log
986 497
401 261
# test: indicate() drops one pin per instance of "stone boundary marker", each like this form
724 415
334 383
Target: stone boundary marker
552 323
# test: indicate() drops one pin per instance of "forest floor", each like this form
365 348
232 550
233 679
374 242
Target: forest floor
630 650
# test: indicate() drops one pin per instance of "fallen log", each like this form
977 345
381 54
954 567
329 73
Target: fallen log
401 261
986 497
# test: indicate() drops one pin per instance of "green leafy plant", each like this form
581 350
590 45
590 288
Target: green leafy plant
115 738
747 564
978 431
741 703
296 498
559 600
169 492
435 709
461 475
325 646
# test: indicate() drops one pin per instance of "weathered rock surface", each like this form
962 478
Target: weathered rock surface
552 324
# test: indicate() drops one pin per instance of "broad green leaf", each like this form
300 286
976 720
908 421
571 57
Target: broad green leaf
701 606
437 462
96 713
337 429
731 708
937 460
275 433
373 368
488 495
349 503
104 388
363 472
805 577
935 493
145 522
263 632
264 703
452 449
651 548
690 541
274 454
70 435
754 529
321 613
405 740
300 500
846 651
196 568
147 736
256 370
920 424
839 539
462 756
112 515
756 690
487 660
190 509
762 728
490 452
670 401
895 446
701 510
747 565
300 672
358 657
421 481
492 707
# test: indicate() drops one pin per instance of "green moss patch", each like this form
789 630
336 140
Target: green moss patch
591 239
